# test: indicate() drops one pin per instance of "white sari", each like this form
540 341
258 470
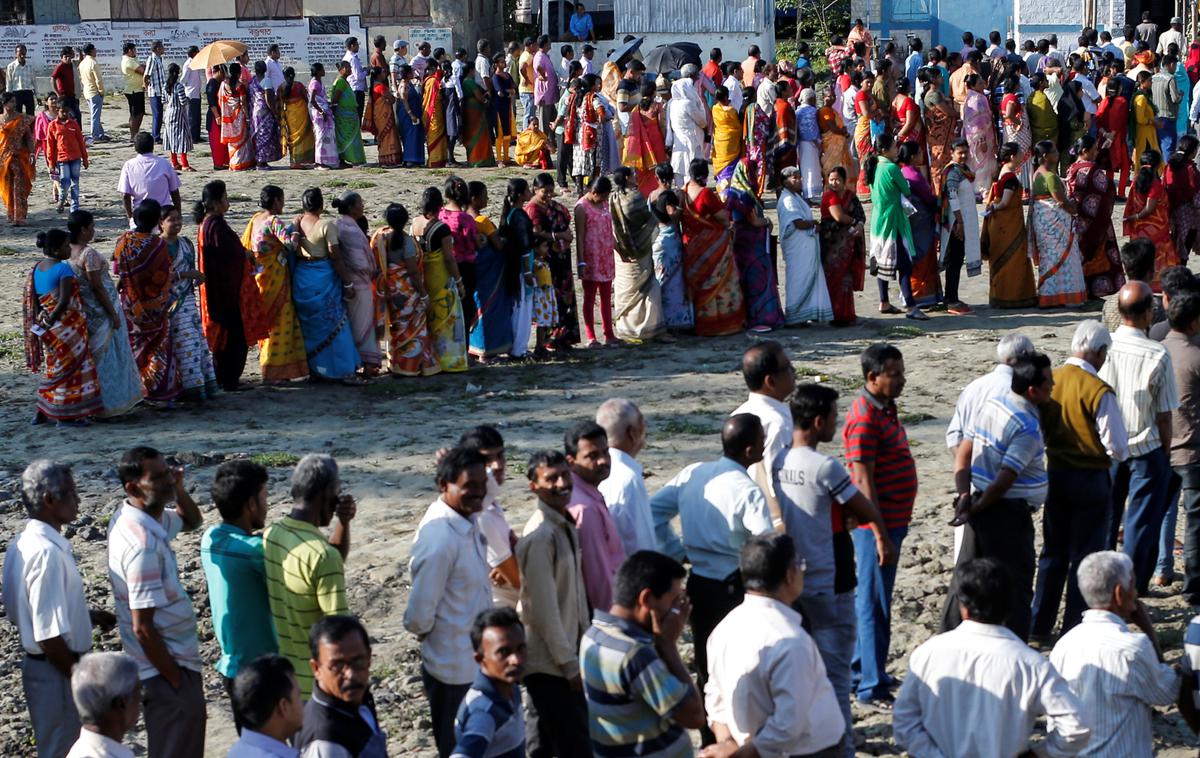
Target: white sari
806 294
688 118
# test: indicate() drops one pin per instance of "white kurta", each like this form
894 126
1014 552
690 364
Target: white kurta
688 118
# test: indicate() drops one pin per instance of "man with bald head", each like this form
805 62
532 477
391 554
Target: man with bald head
771 378
1139 370
719 507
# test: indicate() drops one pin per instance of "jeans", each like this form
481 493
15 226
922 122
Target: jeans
97 103
833 630
527 112
68 176
873 613
1189 477
903 272
194 118
444 700
156 117
51 707
1166 135
1165 565
1145 480
1074 525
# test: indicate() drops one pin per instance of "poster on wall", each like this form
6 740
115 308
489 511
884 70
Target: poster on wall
302 42
436 36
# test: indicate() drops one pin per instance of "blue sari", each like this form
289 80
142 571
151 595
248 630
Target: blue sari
752 253
668 270
492 334
412 136
328 341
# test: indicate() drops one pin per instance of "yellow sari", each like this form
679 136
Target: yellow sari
282 354
727 137
296 132
433 113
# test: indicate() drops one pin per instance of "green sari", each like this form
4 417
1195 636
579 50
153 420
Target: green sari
349 128
476 131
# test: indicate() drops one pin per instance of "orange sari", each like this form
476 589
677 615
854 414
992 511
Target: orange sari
379 118
645 147
708 267
70 389
16 168
1155 227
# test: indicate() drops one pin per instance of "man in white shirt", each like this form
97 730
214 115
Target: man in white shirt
492 523
21 79
107 694
44 599
483 65
586 60
154 611
266 697
977 690
625 488
770 377
1117 674
358 77
398 61
1139 370
450 587
1174 35
767 686
194 81
274 67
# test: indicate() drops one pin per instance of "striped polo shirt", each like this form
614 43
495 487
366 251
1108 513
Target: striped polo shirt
631 693
305 582
872 433
1139 370
1007 433
489 725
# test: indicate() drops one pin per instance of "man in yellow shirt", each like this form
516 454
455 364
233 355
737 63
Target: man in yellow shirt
525 82
92 83
135 87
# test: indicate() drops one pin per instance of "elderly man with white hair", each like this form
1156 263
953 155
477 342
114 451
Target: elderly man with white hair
808 134
688 119
44 599
1084 434
107 694
625 488
1117 673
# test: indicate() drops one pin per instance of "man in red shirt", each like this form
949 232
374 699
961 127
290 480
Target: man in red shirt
63 78
882 468
66 150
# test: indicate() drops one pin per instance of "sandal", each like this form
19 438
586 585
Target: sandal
889 309
878 704
916 314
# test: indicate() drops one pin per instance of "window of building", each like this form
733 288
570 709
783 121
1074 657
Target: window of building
908 10
16 12
144 10
394 11
264 9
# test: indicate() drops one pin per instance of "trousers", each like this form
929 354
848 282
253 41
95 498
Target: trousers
833 629
556 719
174 717
444 700
51 707
712 600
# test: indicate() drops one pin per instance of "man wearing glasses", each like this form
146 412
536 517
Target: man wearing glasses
340 718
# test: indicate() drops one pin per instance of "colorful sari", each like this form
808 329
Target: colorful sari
433 111
1183 193
1016 129
1054 247
145 278
805 289
16 166
1092 190
1155 227
235 127
348 127
645 147
70 389
197 377
668 272
708 267
297 131
412 136
637 301
317 296
926 231
1005 244
726 141
555 219
281 355
752 252
324 127
401 310
890 229
447 327
980 134
1043 121
359 261
492 333
379 119
835 146
268 146
940 130
843 255
784 152
476 132
120 383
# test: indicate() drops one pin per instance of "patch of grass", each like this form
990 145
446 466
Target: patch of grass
903 332
12 345
235 197
373 170
915 418
681 426
6 250
335 183
806 371
360 185
275 459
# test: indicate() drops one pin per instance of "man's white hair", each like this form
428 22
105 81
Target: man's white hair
618 415
689 71
1101 573
1090 337
99 679
1013 347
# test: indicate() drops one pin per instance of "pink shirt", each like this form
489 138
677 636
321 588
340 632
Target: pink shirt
599 544
462 230
545 91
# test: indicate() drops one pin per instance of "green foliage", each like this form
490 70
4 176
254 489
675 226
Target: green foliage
275 459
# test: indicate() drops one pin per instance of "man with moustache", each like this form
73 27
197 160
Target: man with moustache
491 722
340 720
451 586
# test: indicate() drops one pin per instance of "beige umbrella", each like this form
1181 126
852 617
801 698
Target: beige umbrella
216 53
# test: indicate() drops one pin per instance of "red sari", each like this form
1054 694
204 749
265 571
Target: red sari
843 256
70 389
1112 117
645 147
144 279
1089 186
708 268
1183 192
1155 227
379 118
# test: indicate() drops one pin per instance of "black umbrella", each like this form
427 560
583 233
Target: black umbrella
667 58
626 51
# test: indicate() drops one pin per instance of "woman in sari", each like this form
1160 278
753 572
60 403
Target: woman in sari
347 124
443 283
864 107
727 137
235 121
476 132
503 115
668 250
645 146
16 159
1147 215
805 288
926 227
758 132
433 114
197 377
907 116
980 133
297 130
264 117
941 123
581 130
212 90
752 251
457 215
1043 120
784 144
379 118
176 128
708 267
320 114
272 242
403 301
145 279
1112 129
891 235
637 301
1015 124
1071 124
1004 240
495 285
56 333
835 142
1144 119
361 265
552 221
108 336
843 253
959 226
1091 189
410 126
1055 248
1182 182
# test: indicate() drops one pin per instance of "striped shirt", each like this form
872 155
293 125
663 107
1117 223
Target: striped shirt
1008 434
1139 371
631 693
156 75
144 574
873 434
1117 677
489 725
305 582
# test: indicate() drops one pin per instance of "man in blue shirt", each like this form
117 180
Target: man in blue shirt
490 721
232 555
913 63
582 28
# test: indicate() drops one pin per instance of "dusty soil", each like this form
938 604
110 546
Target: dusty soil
384 436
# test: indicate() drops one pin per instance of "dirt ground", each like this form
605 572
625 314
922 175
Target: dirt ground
384 436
